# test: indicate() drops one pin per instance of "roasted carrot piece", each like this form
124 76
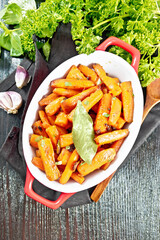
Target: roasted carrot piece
74 72
101 121
45 125
116 145
108 81
51 119
44 119
61 119
34 140
115 112
37 161
104 88
111 136
48 99
43 116
77 177
53 134
95 107
119 124
72 84
38 153
61 130
88 72
70 167
39 129
65 92
100 159
66 140
70 103
69 125
116 80
88 102
127 101
47 154
54 106
64 156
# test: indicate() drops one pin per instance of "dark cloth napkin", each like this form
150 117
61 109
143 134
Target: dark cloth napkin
62 48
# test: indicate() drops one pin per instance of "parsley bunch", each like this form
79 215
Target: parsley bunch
136 22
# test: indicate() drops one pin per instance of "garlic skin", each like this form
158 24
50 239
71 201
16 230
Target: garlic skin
22 77
10 101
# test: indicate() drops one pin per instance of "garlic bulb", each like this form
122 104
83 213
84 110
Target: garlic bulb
21 77
10 101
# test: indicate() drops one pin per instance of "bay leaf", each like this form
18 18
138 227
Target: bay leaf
83 134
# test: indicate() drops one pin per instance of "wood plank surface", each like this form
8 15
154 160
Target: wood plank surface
128 209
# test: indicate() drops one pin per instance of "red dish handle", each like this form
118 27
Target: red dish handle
51 204
118 42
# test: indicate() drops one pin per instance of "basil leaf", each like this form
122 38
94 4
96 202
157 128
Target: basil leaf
83 134
5 41
12 14
16 47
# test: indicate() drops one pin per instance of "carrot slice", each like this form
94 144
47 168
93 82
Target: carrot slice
39 129
66 140
88 72
38 153
34 139
54 106
37 161
65 92
88 102
127 101
74 72
53 134
100 159
119 124
108 81
61 130
48 99
51 119
72 84
115 111
61 119
70 103
70 167
47 155
64 156
116 145
101 121
111 136
77 177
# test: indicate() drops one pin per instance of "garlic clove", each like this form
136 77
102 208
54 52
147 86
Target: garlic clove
5 101
21 77
10 101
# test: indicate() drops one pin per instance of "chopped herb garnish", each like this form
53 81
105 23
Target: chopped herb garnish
38 138
105 114
86 102
109 160
58 163
68 84
67 147
99 81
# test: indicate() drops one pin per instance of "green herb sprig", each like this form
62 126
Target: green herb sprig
135 22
